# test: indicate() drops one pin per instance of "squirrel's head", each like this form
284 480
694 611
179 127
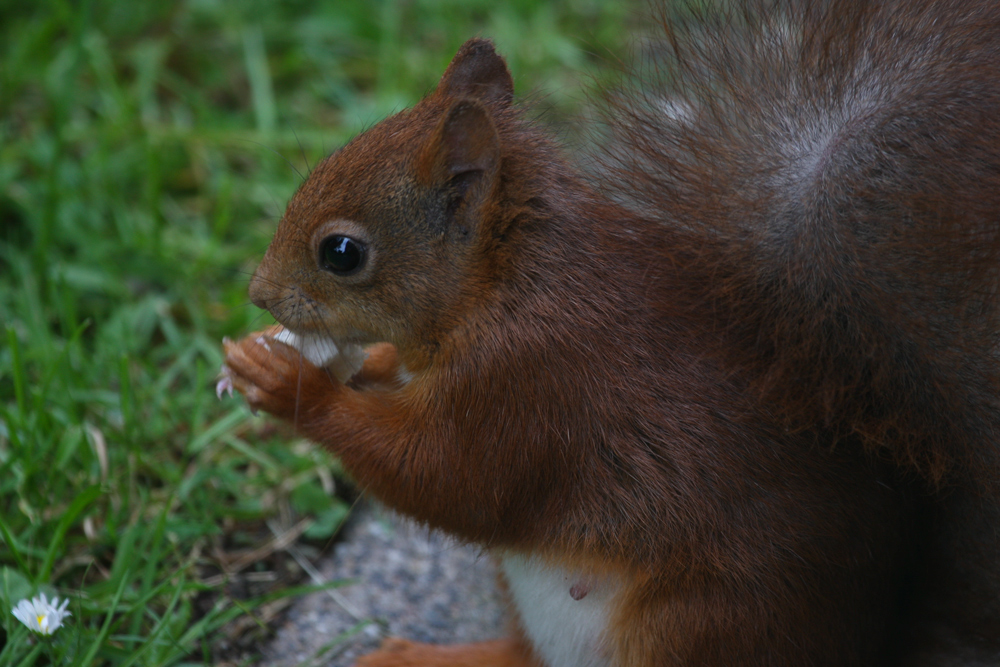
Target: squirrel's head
390 238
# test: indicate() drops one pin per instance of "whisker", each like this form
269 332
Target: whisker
298 392
303 152
276 152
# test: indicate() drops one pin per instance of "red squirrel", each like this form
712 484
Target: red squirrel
727 396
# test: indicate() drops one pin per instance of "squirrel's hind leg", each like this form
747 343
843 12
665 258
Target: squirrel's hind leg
496 653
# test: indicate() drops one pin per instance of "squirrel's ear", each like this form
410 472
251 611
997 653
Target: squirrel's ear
464 143
463 153
478 72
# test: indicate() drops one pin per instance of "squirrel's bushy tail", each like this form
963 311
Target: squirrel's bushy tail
831 174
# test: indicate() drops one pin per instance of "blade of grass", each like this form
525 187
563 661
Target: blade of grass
259 75
153 550
16 637
32 656
158 629
125 549
126 394
98 642
216 430
220 615
89 495
336 642
18 370
251 453
12 545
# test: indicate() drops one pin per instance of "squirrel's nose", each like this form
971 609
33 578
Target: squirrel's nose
261 289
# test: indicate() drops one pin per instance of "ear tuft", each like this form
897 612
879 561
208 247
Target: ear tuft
477 71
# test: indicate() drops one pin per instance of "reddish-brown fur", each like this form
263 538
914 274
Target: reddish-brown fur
747 369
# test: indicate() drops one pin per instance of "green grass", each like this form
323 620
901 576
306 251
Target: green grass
146 152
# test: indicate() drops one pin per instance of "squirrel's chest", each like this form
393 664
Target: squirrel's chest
564 617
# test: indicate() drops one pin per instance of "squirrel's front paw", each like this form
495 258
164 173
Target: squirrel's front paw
273 376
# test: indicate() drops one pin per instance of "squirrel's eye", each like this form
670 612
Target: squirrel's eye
341 254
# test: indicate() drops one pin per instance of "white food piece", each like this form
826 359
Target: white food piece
343 360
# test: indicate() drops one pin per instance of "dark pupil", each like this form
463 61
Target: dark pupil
341 254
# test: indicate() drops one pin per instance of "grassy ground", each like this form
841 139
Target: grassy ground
146 151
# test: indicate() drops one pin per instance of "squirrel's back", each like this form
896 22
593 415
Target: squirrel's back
831 174
839 165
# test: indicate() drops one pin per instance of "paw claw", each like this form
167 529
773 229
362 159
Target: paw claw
224 386
225 383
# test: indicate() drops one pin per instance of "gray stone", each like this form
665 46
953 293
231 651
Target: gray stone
404 581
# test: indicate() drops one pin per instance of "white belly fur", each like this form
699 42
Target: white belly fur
564 632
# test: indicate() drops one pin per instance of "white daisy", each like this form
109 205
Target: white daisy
40 615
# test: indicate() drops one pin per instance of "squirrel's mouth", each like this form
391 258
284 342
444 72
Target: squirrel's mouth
344 360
